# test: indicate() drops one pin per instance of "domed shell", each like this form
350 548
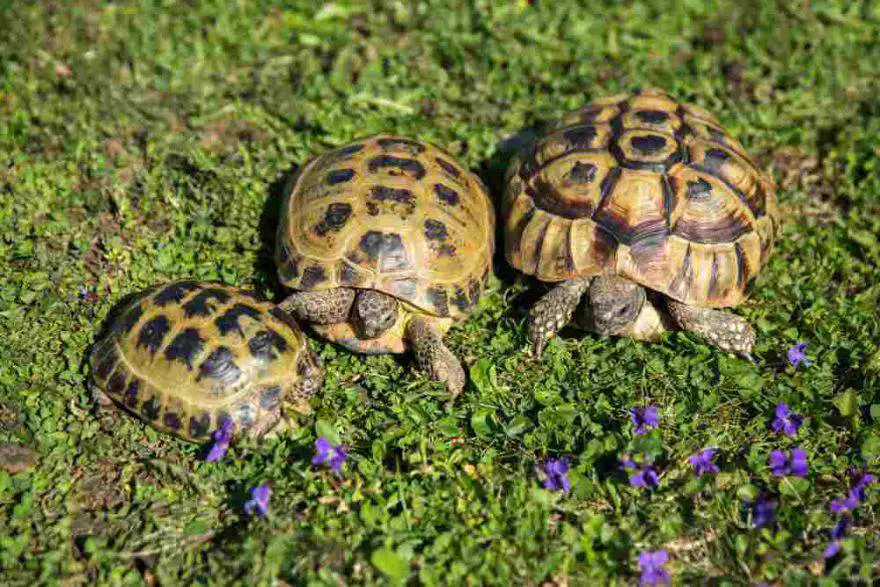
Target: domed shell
189 355
391 214
647 187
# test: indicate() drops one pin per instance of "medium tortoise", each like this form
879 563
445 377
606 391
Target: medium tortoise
639 192
187 356
388 241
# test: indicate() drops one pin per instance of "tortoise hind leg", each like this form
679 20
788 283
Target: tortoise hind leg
329 306
724 330
554 310
432 355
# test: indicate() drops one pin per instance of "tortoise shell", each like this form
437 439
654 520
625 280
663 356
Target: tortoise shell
391 214
189 355
646 187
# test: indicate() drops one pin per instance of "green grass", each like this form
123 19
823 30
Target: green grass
144 141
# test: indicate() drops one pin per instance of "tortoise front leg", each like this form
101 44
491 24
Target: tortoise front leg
329 306
432 355
554 310
724 330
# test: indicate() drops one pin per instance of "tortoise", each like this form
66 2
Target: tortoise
387 241
646 216
188 356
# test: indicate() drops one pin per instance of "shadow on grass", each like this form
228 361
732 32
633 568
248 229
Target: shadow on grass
265 268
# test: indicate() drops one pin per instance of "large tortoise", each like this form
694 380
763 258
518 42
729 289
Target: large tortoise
188 356
388 241
647 209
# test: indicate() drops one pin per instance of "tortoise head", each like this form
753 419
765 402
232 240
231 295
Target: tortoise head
373 313
615 302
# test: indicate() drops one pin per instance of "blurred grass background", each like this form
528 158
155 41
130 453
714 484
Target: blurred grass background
143 141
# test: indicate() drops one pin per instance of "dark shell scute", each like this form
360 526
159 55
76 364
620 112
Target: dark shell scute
699 189
106 363
648 144
174 292
152 333
389 246
714 159
397 165
150 409
581 173
270 397
460 300
199 427
411 146
446 194
130 396
131 318
312 276
437 297
652 116
228 322
448 167
185 346
334 218
288 267
264 344
205 302
349 150
220 366
338 176
383 193
171 420
435 230
116 383
580 136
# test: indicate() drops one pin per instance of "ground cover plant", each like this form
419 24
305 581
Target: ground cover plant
147 141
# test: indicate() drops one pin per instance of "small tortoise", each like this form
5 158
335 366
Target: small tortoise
388 241
639 192
187 356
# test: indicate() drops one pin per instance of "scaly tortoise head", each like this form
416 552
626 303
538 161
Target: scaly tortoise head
189 355
645 187
391 214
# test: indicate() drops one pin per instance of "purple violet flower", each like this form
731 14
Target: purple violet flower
836 534
862 482
645 478
259 501
855 496
786 422
794 464
557 479
796 355
642 474
327 453
702 462
221 438
652 570
846 504
763 511
644 419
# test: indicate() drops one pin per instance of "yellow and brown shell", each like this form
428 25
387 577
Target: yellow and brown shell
189 355
391 214
646 187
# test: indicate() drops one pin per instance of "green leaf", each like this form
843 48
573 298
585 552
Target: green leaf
482 374
481 421
391 564
875 412
847 403
793 486
196 528
328 431
518 425
871 448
